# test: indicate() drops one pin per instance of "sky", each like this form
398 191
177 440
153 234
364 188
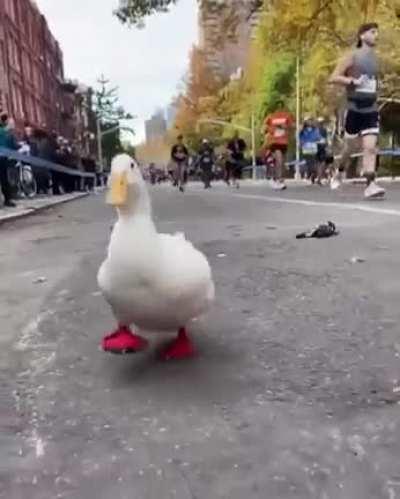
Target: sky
147 64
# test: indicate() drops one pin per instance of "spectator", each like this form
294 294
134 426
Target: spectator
46 150
309 141
29 139
8 141
56 177
236 148
89 166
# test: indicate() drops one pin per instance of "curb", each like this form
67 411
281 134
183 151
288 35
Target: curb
11 217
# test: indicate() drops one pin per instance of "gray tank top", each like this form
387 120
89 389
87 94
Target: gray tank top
364 98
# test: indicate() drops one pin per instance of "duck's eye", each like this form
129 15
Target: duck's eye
132 165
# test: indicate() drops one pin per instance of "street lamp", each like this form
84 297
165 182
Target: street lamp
298 110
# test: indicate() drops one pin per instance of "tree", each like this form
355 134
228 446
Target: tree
156 151
135 11
199 100
109 112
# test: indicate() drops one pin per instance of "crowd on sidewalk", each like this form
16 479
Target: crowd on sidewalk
51 147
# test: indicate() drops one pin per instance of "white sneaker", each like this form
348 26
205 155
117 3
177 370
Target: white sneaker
374 191
278 185
335 183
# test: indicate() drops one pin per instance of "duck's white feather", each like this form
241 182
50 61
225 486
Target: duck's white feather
158 282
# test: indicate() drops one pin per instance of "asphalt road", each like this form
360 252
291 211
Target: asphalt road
296 389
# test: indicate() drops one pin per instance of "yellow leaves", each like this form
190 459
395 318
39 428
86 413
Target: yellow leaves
319 31
155 151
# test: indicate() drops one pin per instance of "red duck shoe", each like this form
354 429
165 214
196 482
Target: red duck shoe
123 341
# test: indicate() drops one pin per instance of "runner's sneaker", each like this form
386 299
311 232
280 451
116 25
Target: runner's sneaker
335 183
279 186
374 191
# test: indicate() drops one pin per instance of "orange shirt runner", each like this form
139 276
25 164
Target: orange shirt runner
277 127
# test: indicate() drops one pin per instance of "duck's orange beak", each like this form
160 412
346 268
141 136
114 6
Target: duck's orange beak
118 192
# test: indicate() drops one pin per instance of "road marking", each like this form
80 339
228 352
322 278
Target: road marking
344 206
38 443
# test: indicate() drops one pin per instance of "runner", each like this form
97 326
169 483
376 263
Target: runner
358 72
277 127
324 156
309 141
269 163
236 160
206 162
180 157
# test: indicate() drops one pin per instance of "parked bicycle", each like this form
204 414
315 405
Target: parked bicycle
22 180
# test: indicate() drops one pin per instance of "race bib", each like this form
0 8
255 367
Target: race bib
279 132
310 148
368 85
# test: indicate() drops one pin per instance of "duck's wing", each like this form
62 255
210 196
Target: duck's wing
185 268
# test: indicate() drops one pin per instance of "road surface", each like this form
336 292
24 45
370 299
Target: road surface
296 389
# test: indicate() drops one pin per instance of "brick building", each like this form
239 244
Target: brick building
31 66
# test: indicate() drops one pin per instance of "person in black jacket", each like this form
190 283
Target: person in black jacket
180 158
236 149
206 162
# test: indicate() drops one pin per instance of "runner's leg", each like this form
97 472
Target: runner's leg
279 165
369 143
351 145
369 148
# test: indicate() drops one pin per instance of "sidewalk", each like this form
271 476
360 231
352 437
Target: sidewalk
27 207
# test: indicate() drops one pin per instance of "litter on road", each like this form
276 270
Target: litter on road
320 232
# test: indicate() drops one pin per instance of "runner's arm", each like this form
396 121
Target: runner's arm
173 150
339 76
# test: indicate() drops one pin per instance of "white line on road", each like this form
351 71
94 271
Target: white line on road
304 202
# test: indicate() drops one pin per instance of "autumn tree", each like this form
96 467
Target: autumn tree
135 11
199 100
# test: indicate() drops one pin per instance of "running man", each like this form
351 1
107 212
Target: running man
277 127
206 162
236 149
358 72
180 157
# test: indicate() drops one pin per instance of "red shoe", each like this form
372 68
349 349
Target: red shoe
123 341
180 348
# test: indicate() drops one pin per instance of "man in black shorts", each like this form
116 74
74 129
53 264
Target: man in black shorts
180 157
236 148
358 72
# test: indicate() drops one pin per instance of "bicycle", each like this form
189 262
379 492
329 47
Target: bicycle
22 180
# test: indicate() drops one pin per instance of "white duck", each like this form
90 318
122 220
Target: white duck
156 282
